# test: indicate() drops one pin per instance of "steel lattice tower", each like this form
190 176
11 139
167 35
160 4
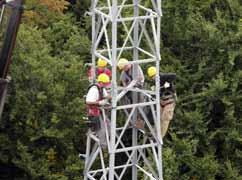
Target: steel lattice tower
130 29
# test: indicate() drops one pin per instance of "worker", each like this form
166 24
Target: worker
128 80
97 97
127 73
101 68
127 77
167 97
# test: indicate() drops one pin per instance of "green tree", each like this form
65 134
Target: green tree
42 123
201 44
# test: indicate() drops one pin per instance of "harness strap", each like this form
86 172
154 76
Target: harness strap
164 103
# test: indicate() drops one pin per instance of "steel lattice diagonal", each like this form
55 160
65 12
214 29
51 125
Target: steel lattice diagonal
127 29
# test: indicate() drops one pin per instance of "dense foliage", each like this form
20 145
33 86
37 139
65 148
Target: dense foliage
42 129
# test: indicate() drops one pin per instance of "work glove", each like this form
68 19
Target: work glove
152 88
103 102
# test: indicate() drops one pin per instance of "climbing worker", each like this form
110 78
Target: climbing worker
97 97
167 97
127 73
101 68
127 78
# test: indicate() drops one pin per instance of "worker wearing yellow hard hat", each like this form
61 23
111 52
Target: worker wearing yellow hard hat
102 67
167 95
122 63
97 96
127 75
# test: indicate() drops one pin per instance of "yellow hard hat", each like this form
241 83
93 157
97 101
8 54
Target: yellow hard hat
151 71
104 78
122 62
101 63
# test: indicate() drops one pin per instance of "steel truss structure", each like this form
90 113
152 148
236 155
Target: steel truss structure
127 29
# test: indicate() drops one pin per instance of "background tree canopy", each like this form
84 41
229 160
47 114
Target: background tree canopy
42 130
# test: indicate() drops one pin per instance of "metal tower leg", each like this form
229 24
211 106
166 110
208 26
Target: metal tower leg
114 12
135 97
88 146
158 129
130 29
